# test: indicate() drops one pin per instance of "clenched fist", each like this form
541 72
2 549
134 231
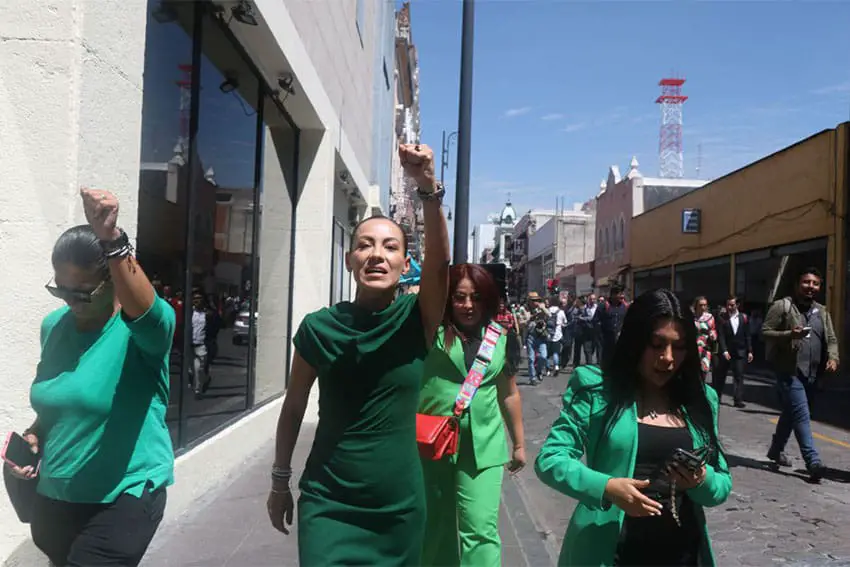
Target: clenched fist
101 208
418 162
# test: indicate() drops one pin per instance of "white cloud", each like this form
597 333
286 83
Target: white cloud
553 116
574 127
644 117
839 88
513 112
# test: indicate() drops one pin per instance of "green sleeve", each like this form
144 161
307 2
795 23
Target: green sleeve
153 331
831 338
717 485
771 327
308 343
559 463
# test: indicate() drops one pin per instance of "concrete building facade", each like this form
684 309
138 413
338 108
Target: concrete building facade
524 228
619 200
243 140
563 240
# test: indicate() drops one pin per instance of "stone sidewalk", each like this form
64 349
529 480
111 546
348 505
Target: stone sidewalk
228 527
770 517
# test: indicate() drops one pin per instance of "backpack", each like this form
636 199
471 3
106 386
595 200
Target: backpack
552 323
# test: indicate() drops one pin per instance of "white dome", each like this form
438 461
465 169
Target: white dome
508 214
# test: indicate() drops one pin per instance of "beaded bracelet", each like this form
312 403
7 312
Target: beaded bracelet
436 195
281 473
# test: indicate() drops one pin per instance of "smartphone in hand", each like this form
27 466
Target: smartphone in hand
18 453
692 462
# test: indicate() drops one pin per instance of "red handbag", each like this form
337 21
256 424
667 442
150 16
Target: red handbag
437 435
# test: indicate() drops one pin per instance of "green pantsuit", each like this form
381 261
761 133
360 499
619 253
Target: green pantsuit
463 492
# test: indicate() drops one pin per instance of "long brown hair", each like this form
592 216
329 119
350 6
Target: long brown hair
488 298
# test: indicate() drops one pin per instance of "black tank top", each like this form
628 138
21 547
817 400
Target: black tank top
659 540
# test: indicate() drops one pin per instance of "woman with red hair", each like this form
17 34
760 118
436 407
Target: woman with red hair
463 491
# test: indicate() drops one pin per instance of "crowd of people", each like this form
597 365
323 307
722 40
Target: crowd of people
419 409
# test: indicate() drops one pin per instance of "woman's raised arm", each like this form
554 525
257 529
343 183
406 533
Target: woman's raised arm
418 163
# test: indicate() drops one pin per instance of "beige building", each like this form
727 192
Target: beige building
756 227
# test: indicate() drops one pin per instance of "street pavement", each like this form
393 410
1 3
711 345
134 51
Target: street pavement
770 517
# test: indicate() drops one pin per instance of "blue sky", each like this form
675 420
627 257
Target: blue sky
563 90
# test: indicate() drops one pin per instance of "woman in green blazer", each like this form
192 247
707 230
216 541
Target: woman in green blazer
634 507
463 492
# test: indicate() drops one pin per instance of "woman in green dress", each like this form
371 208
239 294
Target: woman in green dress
464 491
362 495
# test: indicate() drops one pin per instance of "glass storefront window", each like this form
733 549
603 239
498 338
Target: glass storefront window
223 249
163 172
212 143
275 260
341 279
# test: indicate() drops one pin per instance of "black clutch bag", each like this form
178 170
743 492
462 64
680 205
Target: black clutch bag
22 494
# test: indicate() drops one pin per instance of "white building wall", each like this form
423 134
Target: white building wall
69 110
576 241
343 58
543 240
483 237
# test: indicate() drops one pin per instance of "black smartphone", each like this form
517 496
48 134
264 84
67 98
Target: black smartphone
691 461
17 452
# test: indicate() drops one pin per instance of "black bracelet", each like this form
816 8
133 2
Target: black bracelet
118 248
436 195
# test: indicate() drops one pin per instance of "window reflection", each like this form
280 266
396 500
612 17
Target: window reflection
222 266
236 180
163 175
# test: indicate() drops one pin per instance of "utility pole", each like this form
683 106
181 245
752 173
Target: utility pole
464 141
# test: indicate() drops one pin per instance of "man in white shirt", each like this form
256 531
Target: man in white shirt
736 347
555 328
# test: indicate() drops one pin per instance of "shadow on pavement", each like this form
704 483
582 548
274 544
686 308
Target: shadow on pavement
837 475
829 407
762 465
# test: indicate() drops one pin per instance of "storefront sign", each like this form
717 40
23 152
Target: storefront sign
691 221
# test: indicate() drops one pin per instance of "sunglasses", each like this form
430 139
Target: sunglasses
73 295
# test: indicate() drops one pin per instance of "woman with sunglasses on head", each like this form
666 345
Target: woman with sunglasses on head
647 428
362 497
100 396
464 490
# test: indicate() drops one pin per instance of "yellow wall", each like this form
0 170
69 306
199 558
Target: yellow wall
786 197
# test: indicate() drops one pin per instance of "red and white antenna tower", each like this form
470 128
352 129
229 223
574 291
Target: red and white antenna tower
671 160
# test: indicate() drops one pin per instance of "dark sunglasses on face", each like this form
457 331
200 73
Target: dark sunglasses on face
73 295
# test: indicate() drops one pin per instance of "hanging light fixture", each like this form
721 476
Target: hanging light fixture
229 85
244 13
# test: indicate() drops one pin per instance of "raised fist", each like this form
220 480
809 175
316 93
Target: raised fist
101 208
418 162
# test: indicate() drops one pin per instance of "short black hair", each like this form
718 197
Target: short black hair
377 217
731 298
81 247
616 289
810 271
